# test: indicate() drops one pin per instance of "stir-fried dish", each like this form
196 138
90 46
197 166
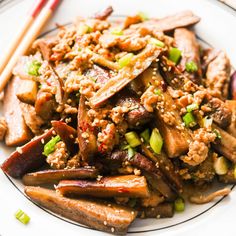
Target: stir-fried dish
118 119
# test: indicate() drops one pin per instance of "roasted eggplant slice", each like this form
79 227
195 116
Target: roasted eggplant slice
54 176
163 210
99 215
28 157
18 133
87 145
68 135
226 145
115 186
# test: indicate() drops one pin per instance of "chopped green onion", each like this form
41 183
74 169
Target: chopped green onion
117 31
49 147
174 55
156 141
157 91
207 122
191 67
156 42
221 165
235 171
143 16
84 29
218 135
22 217
33 68
131 152
192 107
145 135
133 139
125 146
179 205
189 120
125 60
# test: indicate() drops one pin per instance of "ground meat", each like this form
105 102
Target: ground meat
107 138
58 159
82 60
3 128
117 113
149 99
197 153
128 43
199 96
66 40
198 148
70 110
74 162
72 84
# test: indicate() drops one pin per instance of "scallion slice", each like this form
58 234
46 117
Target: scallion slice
145 135
33 68
156 42
218 135
49 147
156 141
179 205
174 55
22 217
133 139
131 152
189 120
125 60
157 91
192 107
221 165
117 31
191 67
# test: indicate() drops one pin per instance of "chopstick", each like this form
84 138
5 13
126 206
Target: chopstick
33 13
30 36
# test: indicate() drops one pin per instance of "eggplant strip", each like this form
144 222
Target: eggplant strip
68 135
138 64
115 186
17 133
176 140
87 146
227 144
54 176
102 15
166 168
186 41
28 157
99 215
149 171
163 210
169 23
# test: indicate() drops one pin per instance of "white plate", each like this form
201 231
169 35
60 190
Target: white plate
216 28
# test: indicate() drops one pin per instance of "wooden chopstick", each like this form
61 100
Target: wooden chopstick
26 42
32 14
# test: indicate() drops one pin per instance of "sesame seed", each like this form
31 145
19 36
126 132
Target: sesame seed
105 223
18 149
42 141
112 230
